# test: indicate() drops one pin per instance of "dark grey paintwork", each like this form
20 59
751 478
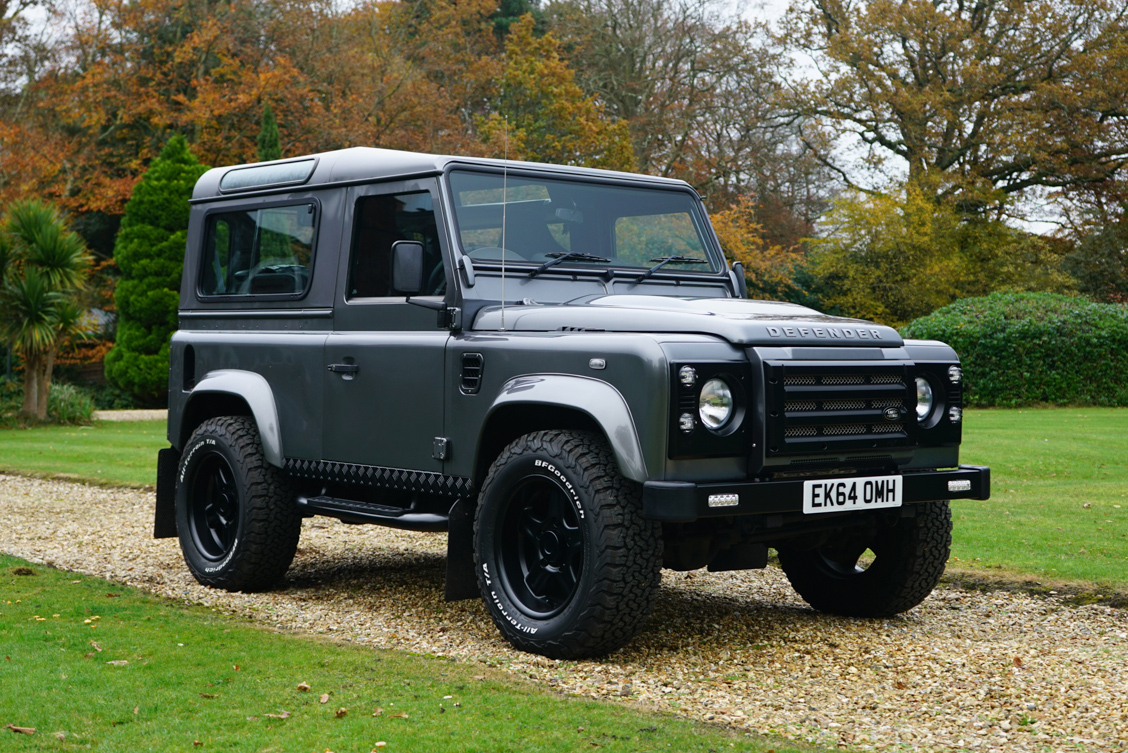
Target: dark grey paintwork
372 391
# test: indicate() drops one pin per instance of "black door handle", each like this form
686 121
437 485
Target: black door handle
344 368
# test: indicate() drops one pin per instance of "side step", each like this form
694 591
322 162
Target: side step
353 511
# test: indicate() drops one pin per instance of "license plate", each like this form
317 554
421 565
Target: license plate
847 494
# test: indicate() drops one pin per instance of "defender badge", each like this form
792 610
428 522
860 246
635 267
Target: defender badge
892 414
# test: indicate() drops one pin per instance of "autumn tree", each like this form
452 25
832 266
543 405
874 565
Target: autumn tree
696 85
894 256
978 101
43 267
542 114
150 253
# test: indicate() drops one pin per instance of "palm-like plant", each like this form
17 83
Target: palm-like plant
43 265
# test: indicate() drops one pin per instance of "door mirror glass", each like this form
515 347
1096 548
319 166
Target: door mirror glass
407 267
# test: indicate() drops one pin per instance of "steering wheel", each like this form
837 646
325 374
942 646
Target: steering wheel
436 281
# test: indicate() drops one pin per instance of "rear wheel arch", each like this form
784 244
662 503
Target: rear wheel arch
235 393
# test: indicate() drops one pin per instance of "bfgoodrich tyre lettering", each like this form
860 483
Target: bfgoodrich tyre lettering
566 565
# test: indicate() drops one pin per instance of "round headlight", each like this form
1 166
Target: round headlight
924 398
715 405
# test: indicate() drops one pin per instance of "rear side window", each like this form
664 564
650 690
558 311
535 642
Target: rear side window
265 251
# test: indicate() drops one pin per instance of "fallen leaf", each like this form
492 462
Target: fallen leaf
112 596
400 714
118 662
380 744
1018 661
325 698
235 667
341 713
207 695
303 686
61 735
284 715
900 685
479 677
378 711
196 743
95 645
21 730
136 709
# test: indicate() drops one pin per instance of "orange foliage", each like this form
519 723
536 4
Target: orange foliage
742 238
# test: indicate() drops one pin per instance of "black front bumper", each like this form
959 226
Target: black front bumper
685 501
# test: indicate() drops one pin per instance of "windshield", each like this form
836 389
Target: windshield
575 224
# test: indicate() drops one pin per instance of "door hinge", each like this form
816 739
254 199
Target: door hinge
441 448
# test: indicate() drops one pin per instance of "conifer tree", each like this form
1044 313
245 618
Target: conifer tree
269 141
149 250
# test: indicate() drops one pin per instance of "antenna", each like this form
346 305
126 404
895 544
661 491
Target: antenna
504 201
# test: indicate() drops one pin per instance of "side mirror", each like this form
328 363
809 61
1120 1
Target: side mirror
407 267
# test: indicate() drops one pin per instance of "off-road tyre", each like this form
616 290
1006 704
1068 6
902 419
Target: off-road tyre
236 515
555 508
909 558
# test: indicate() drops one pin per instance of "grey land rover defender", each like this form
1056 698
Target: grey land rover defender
555 366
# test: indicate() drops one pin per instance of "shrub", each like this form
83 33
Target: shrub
150 252
68 404
1024 348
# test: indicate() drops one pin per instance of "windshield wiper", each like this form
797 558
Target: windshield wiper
570 255
664 260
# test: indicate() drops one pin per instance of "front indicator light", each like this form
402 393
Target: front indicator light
715 405
686 423
924 398
955 414
955 374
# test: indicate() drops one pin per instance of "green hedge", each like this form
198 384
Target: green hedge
1026 348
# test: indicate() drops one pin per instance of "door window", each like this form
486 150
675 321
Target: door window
381 221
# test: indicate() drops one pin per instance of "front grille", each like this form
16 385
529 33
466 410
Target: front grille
825 408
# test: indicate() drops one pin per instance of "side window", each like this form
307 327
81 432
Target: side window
259 251
380 222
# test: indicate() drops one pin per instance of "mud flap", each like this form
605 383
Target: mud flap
164 521
461 580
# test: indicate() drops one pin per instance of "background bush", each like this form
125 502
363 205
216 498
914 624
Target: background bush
66 404
1025 348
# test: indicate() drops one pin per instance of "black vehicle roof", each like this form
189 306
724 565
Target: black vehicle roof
361 164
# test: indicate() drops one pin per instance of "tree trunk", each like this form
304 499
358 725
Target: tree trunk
43 377
31 370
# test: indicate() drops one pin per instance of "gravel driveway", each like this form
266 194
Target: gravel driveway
964 671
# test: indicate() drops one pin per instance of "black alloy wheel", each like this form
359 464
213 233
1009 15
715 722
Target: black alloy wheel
236 514
908 559
541 548
566 564
213 515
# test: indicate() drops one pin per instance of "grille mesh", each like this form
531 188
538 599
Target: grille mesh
842 429
796 406
817 409
844 405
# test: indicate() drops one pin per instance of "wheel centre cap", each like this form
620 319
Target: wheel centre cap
549 544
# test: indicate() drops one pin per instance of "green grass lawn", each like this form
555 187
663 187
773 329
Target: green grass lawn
95 665
1059 495
1047 464
112 453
